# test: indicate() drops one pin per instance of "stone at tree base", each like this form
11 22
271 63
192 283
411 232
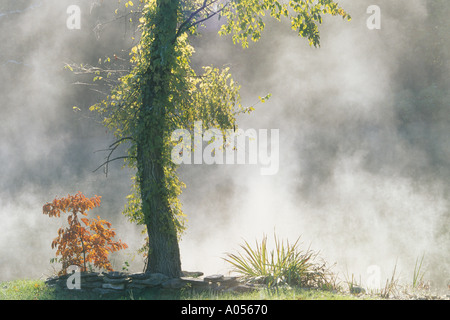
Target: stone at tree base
214 278
91 284
228 282
192 274
105 291
153 280
92 278
87 275
116 280
195 283
137 286
115 275
140 275
52 281
113 286
174 283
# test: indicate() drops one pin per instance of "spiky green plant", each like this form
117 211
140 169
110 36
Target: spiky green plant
285 264
418 273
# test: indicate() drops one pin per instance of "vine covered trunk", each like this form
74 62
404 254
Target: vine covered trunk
163 252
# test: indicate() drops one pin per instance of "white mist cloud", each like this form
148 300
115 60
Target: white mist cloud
349 184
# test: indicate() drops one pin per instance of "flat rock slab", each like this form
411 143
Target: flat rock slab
192 274
227 282
91 284
116 280
105 291
113 286
178 283
92 279
90 275
140 275
116 275
214 278
153 280
137 286
196 283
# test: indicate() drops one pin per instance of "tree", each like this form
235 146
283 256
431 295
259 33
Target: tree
163 93
77 245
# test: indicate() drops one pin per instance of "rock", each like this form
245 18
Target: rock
116 275
227 282
52 281
91 284
113 286
116 280
88 275
196 283
174 283
133 285
140 275
192 274
213 278
228 279
357 290
153 280
105 291
92 279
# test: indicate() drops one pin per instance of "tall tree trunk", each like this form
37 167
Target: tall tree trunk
163 255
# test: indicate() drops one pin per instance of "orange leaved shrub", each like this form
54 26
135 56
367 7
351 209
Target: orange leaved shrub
80 244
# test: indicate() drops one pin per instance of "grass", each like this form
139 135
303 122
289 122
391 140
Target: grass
418 273
25 290
391 286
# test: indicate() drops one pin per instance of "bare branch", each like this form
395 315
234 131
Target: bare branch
208 17
111 160
187 23
111 150
120 140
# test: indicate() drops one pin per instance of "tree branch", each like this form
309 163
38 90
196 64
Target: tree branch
111 160
204 6
208 17
120 140
111 149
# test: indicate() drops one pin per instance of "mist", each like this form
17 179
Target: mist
364 143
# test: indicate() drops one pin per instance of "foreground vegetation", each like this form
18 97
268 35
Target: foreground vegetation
38 290
286 272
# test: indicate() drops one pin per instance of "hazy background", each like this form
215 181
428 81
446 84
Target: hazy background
364 139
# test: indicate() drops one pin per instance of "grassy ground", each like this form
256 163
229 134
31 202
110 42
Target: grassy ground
37 290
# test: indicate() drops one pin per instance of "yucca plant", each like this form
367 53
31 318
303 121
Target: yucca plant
285 264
